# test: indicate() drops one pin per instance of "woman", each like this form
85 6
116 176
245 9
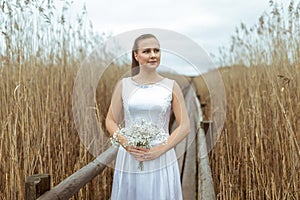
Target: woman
150 97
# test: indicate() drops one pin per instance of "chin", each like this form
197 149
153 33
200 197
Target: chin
154 66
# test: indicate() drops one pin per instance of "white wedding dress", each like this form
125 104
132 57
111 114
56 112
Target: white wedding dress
159 179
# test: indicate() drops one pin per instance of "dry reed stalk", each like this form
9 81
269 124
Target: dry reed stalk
39 61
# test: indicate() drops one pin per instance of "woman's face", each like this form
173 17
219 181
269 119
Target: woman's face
148 53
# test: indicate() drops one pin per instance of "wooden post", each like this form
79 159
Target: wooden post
207 126
203 104
36 185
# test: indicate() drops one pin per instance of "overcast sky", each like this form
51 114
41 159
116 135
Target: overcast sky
210 23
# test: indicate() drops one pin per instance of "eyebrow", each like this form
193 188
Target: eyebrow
148 48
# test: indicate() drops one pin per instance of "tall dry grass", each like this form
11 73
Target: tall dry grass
40 54
258 153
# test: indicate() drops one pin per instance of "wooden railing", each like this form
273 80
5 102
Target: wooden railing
38 186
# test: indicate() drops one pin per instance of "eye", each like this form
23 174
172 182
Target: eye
146 51
156 50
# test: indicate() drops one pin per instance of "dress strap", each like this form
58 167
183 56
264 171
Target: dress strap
127 89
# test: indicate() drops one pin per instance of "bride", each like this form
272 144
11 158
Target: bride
147 96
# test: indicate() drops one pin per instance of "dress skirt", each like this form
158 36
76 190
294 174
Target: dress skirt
158 180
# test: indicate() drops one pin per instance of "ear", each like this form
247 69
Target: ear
135 55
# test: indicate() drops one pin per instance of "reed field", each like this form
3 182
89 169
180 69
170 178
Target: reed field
256 156
257 153
40 56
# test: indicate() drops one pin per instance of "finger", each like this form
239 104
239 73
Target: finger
132 149
137 154
142 149
139 157
136 151
151 155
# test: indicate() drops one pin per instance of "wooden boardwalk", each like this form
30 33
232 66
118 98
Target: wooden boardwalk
193 160
192 156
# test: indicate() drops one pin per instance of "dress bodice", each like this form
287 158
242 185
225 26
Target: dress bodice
151 103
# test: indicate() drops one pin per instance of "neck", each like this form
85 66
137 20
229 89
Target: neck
147 75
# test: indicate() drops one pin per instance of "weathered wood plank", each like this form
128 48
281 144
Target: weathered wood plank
197 172
189 178
76 181
205 181
181 148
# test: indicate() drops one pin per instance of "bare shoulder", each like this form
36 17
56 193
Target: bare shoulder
176 87
119 84
118 88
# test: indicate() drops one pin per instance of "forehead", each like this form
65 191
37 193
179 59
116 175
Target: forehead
148 43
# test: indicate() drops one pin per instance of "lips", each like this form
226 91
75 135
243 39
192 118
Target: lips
153 62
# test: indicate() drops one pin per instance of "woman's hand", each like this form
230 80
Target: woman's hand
137 152
153 153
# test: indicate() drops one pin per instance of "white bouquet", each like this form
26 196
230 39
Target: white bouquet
141 135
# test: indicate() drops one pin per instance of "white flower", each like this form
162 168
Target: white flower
141 135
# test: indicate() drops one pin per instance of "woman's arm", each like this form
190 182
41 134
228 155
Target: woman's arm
111 121
115 109
181 117
182 130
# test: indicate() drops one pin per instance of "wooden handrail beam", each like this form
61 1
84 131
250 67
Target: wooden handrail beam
71 185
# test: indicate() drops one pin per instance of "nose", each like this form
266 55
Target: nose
153 54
